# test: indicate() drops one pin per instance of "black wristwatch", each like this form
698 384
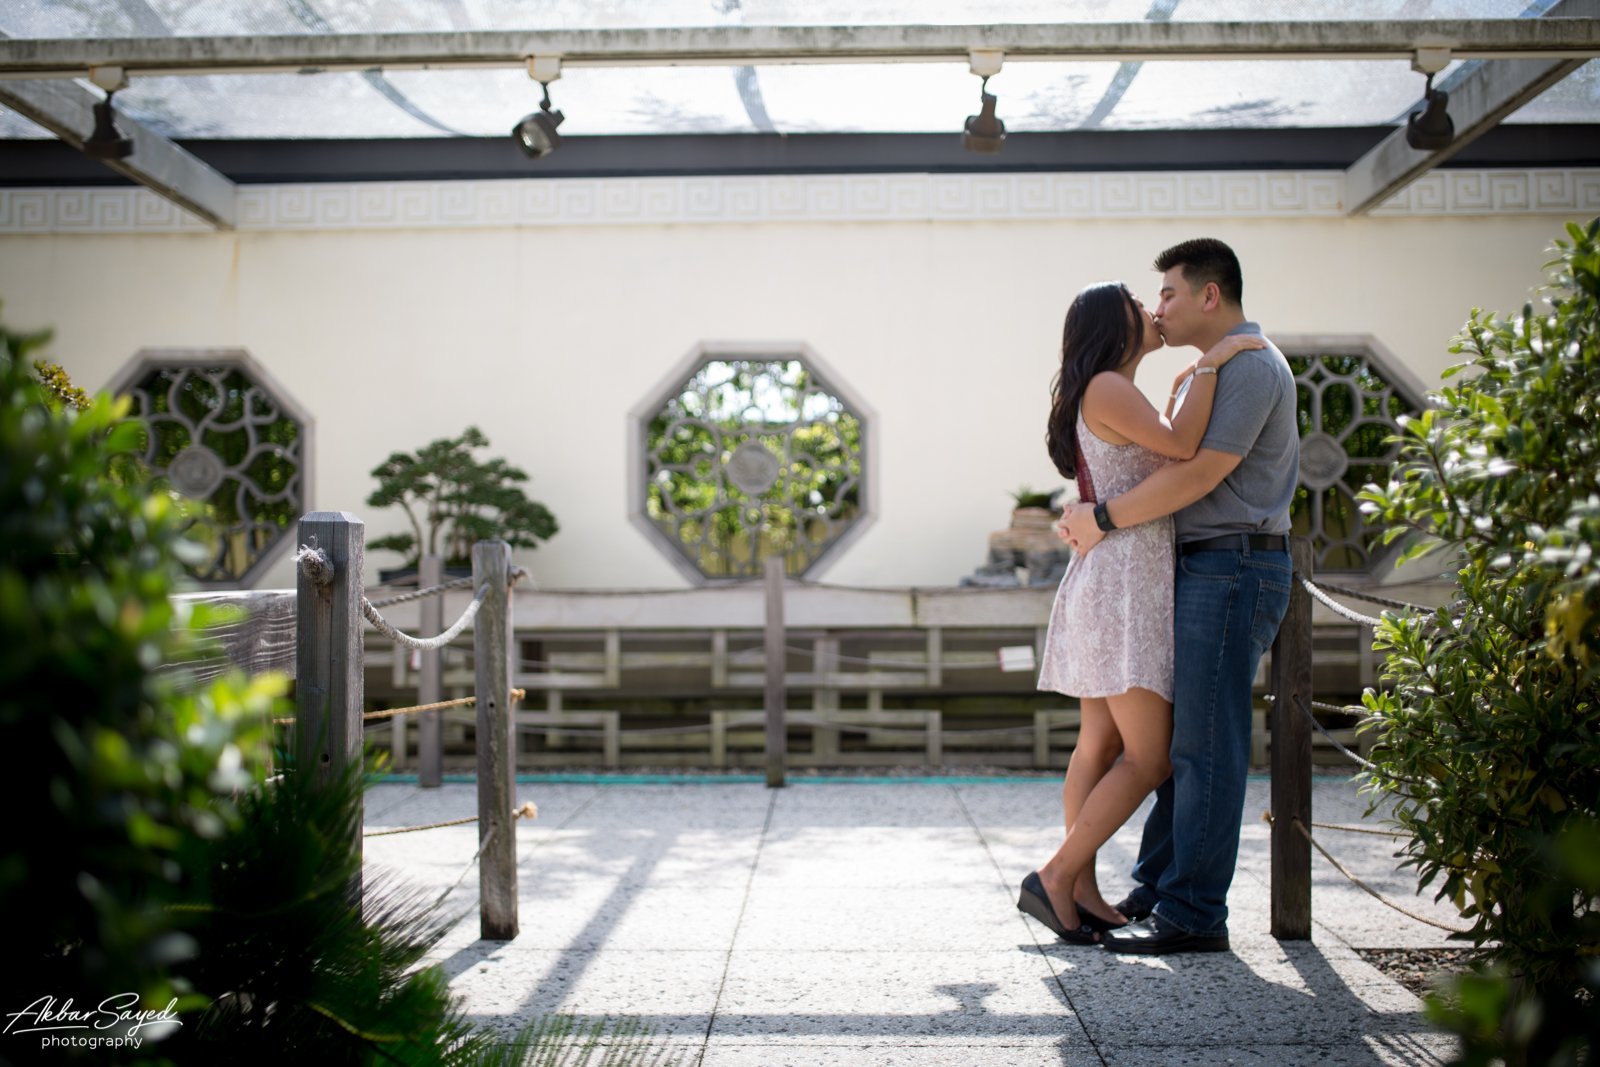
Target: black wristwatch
1102 518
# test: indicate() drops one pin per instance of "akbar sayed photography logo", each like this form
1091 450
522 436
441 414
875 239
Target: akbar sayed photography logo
117 1022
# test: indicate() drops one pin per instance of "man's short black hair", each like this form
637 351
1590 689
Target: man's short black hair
1206 259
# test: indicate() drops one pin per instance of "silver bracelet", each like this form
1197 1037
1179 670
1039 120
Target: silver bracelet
1203 370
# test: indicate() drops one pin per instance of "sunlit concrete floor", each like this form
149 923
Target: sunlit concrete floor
858 922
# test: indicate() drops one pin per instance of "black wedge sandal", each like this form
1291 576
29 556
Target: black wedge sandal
1034 901
1094 922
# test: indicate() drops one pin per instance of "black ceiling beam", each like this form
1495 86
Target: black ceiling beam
41 162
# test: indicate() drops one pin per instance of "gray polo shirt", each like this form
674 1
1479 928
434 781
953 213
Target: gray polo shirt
1253 416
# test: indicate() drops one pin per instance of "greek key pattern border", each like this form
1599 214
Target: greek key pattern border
812 198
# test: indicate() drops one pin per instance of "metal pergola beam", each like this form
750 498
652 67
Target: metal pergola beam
1571 38
1477 105
66 110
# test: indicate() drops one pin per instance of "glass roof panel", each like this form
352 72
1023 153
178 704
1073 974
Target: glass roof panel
13 127
1266 93
1575 98
119 18
846 98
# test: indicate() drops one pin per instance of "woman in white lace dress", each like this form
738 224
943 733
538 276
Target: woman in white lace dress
1110 637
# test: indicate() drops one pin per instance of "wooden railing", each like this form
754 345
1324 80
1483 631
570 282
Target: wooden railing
316 635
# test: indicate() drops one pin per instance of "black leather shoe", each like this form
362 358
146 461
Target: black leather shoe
1154 936
1134 907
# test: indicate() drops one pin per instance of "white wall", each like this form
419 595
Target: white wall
545 336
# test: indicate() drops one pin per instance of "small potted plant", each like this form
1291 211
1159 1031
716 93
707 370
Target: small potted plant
454 499
1033 510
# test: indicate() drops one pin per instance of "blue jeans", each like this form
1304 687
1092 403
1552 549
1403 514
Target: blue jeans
1227 607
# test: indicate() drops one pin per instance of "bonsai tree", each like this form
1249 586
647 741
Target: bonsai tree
453 499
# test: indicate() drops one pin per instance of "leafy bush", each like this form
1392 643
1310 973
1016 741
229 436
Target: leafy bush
1490 737
118 774
461 499
302 976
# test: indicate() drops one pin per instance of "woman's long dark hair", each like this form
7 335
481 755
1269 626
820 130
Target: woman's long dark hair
1103 326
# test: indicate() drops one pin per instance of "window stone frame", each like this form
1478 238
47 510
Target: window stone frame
1406 384
146 360
669 385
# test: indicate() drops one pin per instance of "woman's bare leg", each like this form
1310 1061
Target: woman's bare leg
1097 749
1144 721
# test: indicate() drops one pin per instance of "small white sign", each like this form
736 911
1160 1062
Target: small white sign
1016 658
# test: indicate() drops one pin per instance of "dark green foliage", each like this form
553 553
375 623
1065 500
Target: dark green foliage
117 774
1027 498
58 385
146 855
1489 739
461 499
300 976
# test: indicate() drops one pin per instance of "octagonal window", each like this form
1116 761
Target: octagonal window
1351 395
751 453
221 434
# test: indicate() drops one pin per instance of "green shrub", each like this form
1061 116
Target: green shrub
118 775
300 975
148 855
1489 740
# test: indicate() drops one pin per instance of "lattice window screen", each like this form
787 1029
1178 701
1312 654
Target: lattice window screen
222 436
1349 406
752 455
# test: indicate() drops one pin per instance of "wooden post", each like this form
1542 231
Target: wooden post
1291 759
825 698
430 749
328 656
497 758
777 660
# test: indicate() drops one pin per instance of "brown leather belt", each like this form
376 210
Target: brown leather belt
1236 543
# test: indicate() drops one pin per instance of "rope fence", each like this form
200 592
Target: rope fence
1266 817
812 721
494 638
1366 764
1338 608
389 713
528 810
1381 601
315 565
421 594
423 644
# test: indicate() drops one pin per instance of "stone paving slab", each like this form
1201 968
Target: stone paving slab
875 924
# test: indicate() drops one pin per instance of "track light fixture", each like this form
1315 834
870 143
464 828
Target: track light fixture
1430 127
984 132
106 142
536 133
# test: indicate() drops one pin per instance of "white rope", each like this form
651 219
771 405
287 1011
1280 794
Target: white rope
314 564
423 643
401 598
1338 608
1381 601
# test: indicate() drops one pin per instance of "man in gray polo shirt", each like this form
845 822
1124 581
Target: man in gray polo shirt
1231 589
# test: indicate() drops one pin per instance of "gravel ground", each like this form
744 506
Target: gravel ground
1417 968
